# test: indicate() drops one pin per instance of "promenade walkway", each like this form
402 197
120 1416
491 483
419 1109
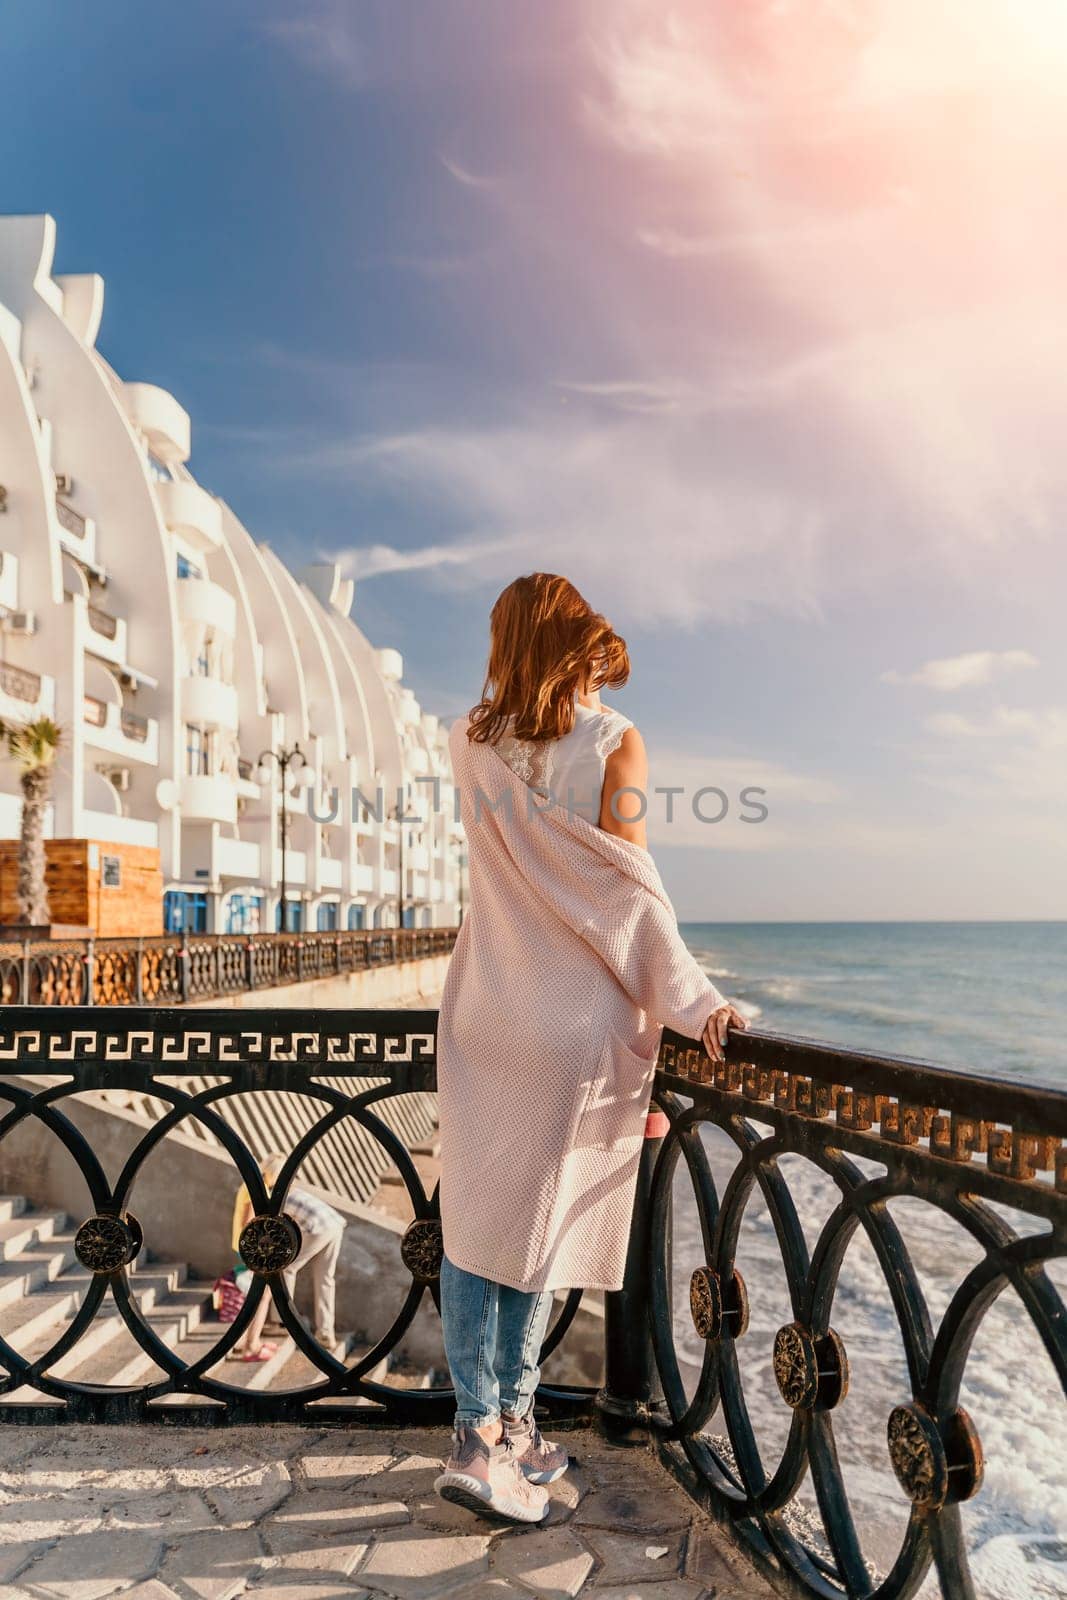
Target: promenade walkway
160 1513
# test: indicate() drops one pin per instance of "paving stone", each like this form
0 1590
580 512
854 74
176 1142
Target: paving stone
444 1516
711 1559
405 1479
551 1562
152 1590
17 1555
213 1566
334 1468
640 1508
421 1566
625 1556
490 1589
319 1571
94 1566
41 1518
243 1500
319 1513
346 1455
175 1512
676 1589
225 1454
565 1495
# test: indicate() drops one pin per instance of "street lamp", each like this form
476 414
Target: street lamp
303 776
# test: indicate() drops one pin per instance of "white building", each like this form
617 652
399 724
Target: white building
173 649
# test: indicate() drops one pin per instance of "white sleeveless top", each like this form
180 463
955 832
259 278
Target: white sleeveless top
571 769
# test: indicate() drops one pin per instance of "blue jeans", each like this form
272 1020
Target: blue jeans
493 1336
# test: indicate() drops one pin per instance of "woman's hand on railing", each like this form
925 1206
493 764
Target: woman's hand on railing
718 1026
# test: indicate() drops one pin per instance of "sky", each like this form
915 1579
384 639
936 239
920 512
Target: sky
748 318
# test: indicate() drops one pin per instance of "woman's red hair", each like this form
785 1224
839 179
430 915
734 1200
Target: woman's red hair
546 643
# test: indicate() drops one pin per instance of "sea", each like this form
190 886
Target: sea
982 997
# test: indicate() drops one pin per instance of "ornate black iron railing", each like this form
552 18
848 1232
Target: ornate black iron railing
988 1157
176 968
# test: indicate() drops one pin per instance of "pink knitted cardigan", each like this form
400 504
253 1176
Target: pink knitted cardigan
567 965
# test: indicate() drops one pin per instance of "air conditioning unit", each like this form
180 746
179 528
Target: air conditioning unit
24 622
120 778
64 483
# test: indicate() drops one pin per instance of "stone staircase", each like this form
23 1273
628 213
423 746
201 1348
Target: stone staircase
42 1285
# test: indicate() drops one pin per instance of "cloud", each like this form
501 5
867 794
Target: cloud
463 175
374 560
802 160
325 40
966 671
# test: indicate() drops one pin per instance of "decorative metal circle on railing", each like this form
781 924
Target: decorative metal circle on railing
422 1249
809 1371
934 1467
107 1243
716 1312
270 1244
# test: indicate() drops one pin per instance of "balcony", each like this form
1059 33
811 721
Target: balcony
237 858
206 797
19 685
160 419
209 702
190 511
124 733
208 605
107 828
71 521
362 878
330 873
106 636
296 869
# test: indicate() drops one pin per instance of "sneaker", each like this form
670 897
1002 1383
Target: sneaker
540 1461
486 1479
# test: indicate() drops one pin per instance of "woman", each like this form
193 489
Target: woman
566 967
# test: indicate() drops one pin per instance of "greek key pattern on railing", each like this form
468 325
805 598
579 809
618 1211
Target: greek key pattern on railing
348 1069
169 969
779 1119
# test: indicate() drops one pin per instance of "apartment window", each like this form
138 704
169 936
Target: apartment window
202 665
197 751
294 917
355 916
326 917
244 913
187 568
184 911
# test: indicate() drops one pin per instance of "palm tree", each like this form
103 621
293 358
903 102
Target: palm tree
33 747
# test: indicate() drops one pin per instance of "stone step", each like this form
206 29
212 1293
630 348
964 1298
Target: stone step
88 1360
12 1206
172 1312
34 1269
30 1228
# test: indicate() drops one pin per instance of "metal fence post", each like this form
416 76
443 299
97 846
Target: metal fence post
90 972
629 1364
138 974
25 996
185 959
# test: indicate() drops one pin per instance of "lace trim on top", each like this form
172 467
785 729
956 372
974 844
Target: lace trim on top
534 760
